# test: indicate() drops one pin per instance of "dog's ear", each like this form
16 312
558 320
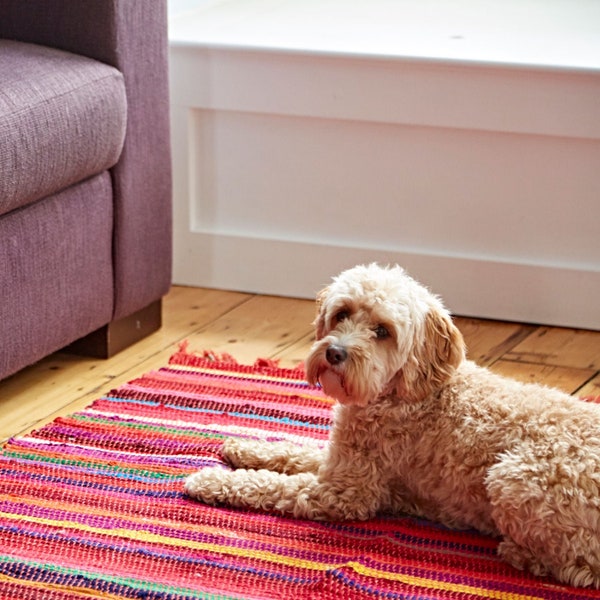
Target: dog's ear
319 322
435 359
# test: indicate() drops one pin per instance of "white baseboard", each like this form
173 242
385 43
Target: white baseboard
473 287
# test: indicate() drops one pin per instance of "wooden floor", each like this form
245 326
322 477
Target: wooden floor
249 326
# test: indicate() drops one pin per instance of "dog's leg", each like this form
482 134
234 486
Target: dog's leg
283 457
572 563
302 495
520 557
246 488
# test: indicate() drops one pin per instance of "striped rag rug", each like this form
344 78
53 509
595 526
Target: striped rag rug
91 506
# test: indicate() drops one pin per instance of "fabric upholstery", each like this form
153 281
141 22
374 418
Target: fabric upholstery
56 277
62 119
100 250
130 35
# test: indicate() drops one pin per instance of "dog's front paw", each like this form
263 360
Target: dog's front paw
279 456
521 558
211 485
237 453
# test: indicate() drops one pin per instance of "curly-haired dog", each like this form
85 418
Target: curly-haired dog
418 429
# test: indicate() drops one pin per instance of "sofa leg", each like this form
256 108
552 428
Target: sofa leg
120 334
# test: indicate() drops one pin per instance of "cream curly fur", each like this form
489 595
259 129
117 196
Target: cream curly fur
418 429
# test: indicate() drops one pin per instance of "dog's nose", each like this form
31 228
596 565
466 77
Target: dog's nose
336 354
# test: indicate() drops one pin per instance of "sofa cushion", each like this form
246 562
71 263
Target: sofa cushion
62 120
56 275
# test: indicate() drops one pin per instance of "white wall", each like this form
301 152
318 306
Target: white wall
482 179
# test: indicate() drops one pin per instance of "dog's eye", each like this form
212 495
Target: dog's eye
381 332
342 315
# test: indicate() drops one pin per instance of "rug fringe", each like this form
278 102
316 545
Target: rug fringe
184 353
200 358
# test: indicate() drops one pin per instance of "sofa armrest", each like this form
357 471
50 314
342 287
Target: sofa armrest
130 35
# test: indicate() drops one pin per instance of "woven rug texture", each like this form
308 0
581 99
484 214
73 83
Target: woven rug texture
91 506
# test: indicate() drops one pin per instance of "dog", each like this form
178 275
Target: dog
419 429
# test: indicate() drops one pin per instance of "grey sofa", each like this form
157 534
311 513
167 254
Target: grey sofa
85 176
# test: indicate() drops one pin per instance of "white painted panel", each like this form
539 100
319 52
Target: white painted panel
560 103
397 188
480 175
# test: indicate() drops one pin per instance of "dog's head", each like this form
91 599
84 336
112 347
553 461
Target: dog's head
379 333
